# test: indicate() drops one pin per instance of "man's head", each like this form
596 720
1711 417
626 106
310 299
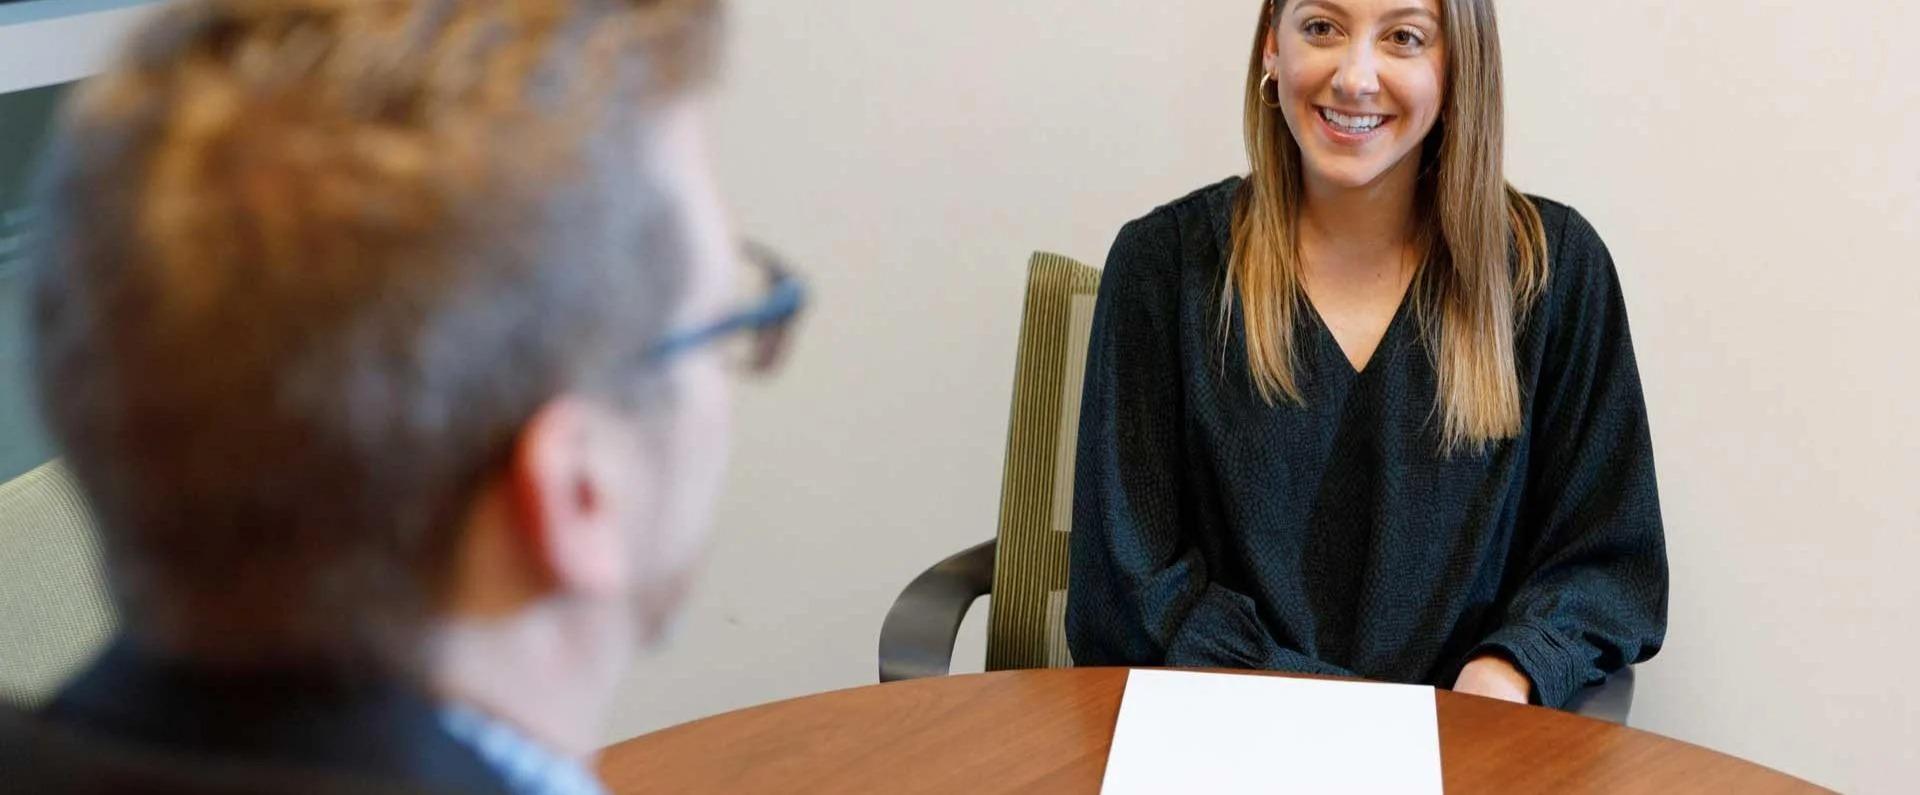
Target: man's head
348 315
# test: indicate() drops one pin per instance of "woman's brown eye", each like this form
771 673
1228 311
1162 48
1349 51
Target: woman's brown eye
1319 29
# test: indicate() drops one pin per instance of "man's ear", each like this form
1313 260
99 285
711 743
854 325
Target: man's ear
568 484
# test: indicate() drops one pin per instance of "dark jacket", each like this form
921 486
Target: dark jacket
135 724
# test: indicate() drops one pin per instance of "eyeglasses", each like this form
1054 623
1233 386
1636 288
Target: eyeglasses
762 328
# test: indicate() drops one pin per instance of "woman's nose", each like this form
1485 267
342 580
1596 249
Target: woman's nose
1359 74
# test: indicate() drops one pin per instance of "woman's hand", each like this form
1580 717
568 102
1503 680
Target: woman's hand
1494 677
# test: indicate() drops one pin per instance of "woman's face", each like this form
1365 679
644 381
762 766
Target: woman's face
1361 83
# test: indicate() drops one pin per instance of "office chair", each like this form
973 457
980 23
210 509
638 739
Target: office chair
1025 567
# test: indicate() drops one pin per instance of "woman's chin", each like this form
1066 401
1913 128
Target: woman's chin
1342 173
1345 178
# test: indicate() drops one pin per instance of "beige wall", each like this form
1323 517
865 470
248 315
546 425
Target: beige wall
1755 165
1752 162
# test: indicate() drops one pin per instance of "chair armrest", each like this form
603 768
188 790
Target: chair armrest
917 639
1610 700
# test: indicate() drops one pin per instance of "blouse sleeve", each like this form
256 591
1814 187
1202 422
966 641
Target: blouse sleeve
1591 551
1139 592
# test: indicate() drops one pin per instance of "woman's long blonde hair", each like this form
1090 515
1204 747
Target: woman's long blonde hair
1485 249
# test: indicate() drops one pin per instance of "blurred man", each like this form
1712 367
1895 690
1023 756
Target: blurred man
383 337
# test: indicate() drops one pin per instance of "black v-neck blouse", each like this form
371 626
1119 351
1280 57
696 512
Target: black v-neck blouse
1214 530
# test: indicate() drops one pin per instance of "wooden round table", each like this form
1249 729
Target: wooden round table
1048 731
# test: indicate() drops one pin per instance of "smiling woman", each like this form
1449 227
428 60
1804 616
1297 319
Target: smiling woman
1371 101
1368 410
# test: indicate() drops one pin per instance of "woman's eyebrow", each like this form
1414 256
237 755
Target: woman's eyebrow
1338 10
1327 5
1410 11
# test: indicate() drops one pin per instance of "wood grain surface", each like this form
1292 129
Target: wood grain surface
1049 730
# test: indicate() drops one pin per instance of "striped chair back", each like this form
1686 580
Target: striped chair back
1026 626
54 610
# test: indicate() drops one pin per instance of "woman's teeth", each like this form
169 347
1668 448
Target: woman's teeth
1352 124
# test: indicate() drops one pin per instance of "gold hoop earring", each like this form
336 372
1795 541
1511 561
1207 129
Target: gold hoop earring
1267 80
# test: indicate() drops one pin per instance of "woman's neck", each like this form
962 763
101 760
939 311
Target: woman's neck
1361 224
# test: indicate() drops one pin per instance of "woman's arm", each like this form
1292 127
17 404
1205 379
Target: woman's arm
1593 593
1139 591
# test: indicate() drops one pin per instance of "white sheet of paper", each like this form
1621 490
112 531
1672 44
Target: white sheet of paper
1225 734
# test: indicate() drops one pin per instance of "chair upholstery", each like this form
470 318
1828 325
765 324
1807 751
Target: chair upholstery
1025 566
1026 623
55 613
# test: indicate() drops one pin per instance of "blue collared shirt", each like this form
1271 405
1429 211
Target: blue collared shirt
527 768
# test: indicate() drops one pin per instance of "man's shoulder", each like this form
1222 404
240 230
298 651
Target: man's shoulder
44 756
169 722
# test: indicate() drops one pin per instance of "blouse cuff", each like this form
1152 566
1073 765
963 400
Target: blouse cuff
1224 631
1554 668
1218 633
